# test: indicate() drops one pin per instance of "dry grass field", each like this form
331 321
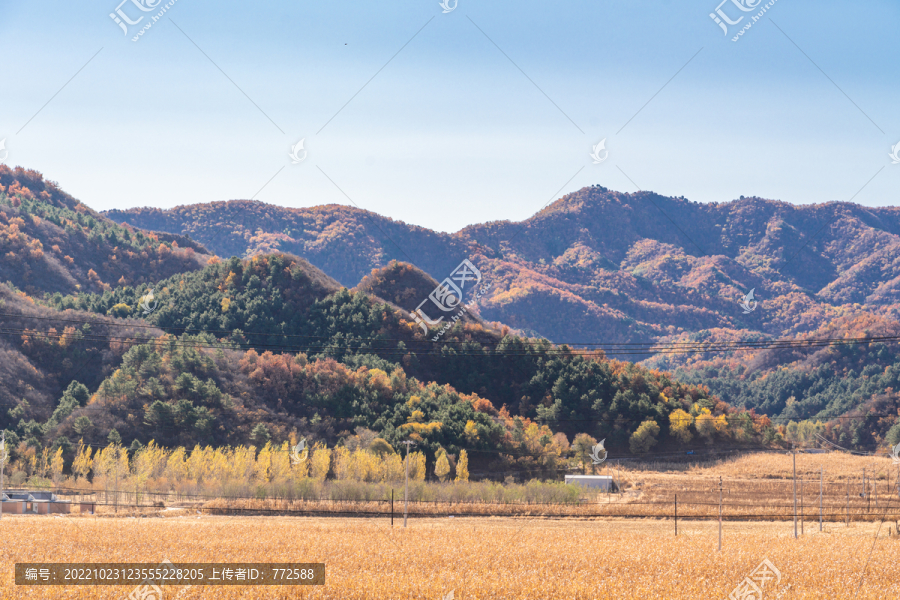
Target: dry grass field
761 486
594 553
754 486
477 558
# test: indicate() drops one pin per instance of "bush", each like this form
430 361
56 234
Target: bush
644 437
893 435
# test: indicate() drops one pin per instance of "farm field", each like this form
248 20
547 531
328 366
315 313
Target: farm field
476 558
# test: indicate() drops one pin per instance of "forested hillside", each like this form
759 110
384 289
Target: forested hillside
598 265
271 348
198 348
851 388
51 242
275 302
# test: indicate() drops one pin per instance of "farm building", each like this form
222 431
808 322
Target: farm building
41 503
602 482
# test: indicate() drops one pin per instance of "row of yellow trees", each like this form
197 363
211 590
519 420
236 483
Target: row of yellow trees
156 469
45 464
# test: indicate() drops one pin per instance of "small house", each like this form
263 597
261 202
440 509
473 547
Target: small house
41 503
10 506
604 483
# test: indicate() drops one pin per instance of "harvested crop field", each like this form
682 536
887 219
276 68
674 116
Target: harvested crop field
476 558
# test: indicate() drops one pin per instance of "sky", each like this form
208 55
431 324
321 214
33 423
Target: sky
485 112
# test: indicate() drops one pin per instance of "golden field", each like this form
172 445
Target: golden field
755 486
760 485
476 558
593 553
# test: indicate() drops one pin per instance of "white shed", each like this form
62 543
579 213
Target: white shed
601 482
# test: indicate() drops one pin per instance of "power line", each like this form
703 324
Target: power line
643 347
389 351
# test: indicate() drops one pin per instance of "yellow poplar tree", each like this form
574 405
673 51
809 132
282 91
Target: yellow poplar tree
104 462
321 462
442 466
43 466
462 466
124 468
81 466
280 464
198 464
149 462
175 467
56 467
244 463
300 470
341 461
392 468
264 463
417 466
220 467
679 425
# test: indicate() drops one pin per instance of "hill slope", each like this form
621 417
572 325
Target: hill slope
50 242
598 265
353 361
602 266
588 265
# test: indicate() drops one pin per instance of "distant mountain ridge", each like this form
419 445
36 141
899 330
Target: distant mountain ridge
598 265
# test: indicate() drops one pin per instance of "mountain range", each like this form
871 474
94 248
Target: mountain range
604 267
597 265
233 321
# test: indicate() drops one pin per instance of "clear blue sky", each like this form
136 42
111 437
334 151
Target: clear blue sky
450 131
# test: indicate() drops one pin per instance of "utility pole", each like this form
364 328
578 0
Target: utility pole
801 506
821 485
875 489
794 452
676 515
866 492
720 513
117 481
848 502
406 492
